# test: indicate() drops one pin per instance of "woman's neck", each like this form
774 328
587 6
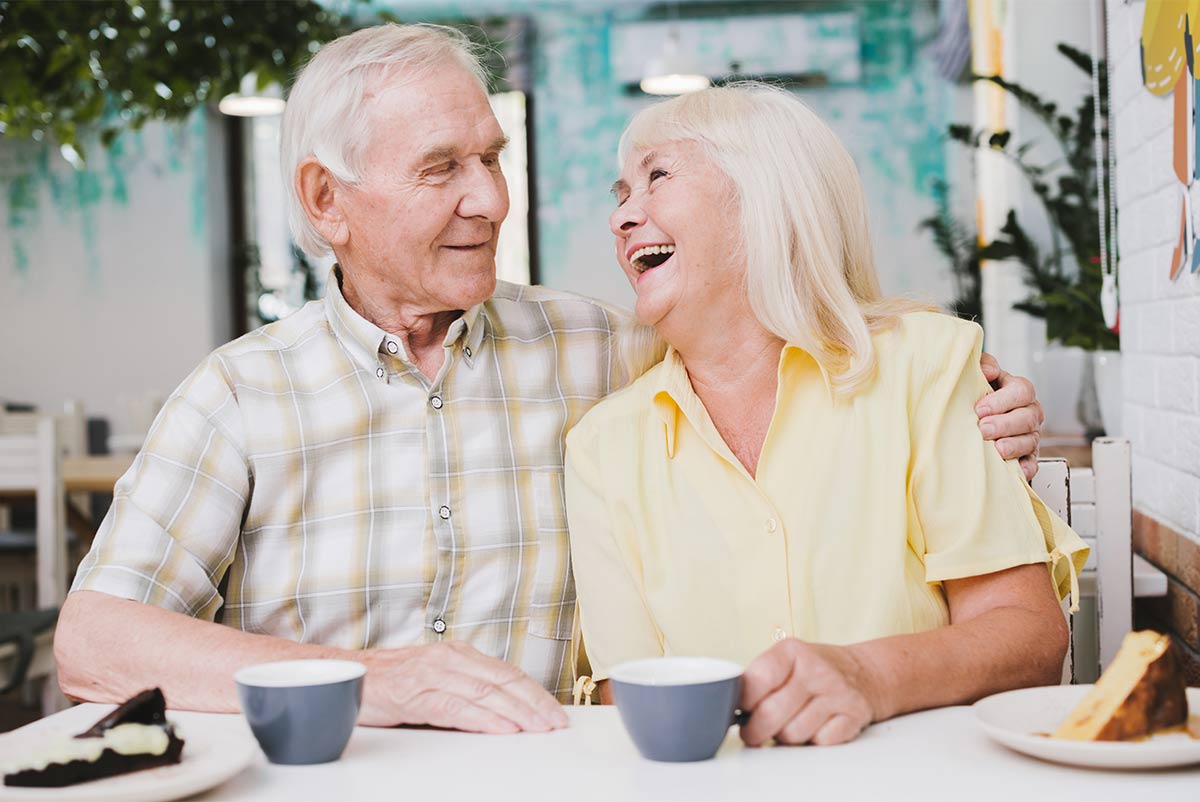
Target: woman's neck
734 371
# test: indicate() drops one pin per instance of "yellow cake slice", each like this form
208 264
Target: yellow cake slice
1142 691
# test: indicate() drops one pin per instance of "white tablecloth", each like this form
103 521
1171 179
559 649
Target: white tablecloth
938 754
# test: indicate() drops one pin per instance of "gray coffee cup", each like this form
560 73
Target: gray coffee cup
677 709
302 711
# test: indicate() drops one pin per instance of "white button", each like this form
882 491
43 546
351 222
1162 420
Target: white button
467 351
379 372
778 634
444 511
436 401
439 626
772 525
392 347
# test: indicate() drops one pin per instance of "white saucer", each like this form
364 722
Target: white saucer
1021 719
211 755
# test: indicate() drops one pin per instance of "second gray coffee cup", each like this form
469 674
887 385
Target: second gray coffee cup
677 709
302 711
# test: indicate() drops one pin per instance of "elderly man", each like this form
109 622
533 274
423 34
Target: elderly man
379 476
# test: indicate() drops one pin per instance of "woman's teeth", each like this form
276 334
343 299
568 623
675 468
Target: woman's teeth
651 256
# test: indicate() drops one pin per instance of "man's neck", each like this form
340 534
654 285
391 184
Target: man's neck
421 332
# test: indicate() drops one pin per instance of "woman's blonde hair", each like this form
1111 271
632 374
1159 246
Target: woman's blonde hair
810 274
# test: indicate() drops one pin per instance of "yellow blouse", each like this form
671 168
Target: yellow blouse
861 507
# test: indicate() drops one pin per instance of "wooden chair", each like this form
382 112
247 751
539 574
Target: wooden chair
1096 502
30 462
140 412
1053 486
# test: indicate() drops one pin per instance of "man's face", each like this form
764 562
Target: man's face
424 218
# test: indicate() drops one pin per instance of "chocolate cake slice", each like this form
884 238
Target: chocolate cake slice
134 736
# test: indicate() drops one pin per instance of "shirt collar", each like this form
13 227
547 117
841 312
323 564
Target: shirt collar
672 393
366 342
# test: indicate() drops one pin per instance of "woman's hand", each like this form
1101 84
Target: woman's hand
1012 416
798 692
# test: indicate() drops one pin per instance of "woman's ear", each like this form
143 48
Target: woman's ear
319 194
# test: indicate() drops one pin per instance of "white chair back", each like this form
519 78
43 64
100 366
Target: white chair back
1053 486
1096 502
1102 515
31 462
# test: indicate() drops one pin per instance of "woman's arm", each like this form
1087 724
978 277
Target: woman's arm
1006 631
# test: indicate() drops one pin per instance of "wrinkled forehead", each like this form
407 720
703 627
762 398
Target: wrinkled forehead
449 107
447 90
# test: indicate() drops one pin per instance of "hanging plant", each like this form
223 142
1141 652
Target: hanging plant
65 67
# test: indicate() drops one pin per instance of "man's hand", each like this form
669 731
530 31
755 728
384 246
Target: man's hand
1012 416
798 692
453 685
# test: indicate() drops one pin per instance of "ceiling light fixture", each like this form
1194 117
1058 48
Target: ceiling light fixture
670 73
250 101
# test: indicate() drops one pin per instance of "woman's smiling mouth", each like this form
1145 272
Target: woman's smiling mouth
649 257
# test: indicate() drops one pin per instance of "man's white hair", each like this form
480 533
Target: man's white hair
327 109
805 241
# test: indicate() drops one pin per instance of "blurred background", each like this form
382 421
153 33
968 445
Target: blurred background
142 227
142 224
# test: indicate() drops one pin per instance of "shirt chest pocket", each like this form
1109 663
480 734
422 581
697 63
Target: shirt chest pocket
552 604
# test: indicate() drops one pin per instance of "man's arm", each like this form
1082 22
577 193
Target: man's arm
107 649
1012 416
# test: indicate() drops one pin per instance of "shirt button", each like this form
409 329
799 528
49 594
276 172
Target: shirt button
778 635
771 525
444 511
439 626
467 351
392 347
379 372
436 402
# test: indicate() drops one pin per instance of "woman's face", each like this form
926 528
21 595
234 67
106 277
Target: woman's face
676 237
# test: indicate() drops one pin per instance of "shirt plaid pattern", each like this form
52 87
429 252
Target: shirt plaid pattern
307 482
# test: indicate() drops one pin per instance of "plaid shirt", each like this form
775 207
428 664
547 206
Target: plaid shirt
308 482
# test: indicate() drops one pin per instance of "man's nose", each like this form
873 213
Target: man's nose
486 194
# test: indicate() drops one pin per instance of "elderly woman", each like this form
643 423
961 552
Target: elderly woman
798 481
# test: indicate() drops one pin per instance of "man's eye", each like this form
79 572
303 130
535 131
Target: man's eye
657 174
491 160
442 169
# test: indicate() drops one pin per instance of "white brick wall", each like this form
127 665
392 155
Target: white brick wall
1160 318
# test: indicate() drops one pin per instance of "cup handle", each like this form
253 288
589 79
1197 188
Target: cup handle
740 717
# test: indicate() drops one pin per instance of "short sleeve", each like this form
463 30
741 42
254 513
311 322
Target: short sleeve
176 515
615 621
973 513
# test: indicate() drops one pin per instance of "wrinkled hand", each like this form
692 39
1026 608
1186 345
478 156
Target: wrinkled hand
452 685
798 692
1012 416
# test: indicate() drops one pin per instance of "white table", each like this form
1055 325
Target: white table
939 753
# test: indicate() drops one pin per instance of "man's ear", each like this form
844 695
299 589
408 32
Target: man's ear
320 195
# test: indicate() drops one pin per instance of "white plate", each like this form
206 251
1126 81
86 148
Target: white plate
1015 718
211 755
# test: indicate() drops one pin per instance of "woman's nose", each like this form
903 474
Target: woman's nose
627 217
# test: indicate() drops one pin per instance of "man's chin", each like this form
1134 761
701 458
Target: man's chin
477 288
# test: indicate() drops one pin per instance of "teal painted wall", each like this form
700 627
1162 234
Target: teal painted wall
892 121
113 277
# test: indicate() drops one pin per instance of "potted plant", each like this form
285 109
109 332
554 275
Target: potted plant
1066 281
